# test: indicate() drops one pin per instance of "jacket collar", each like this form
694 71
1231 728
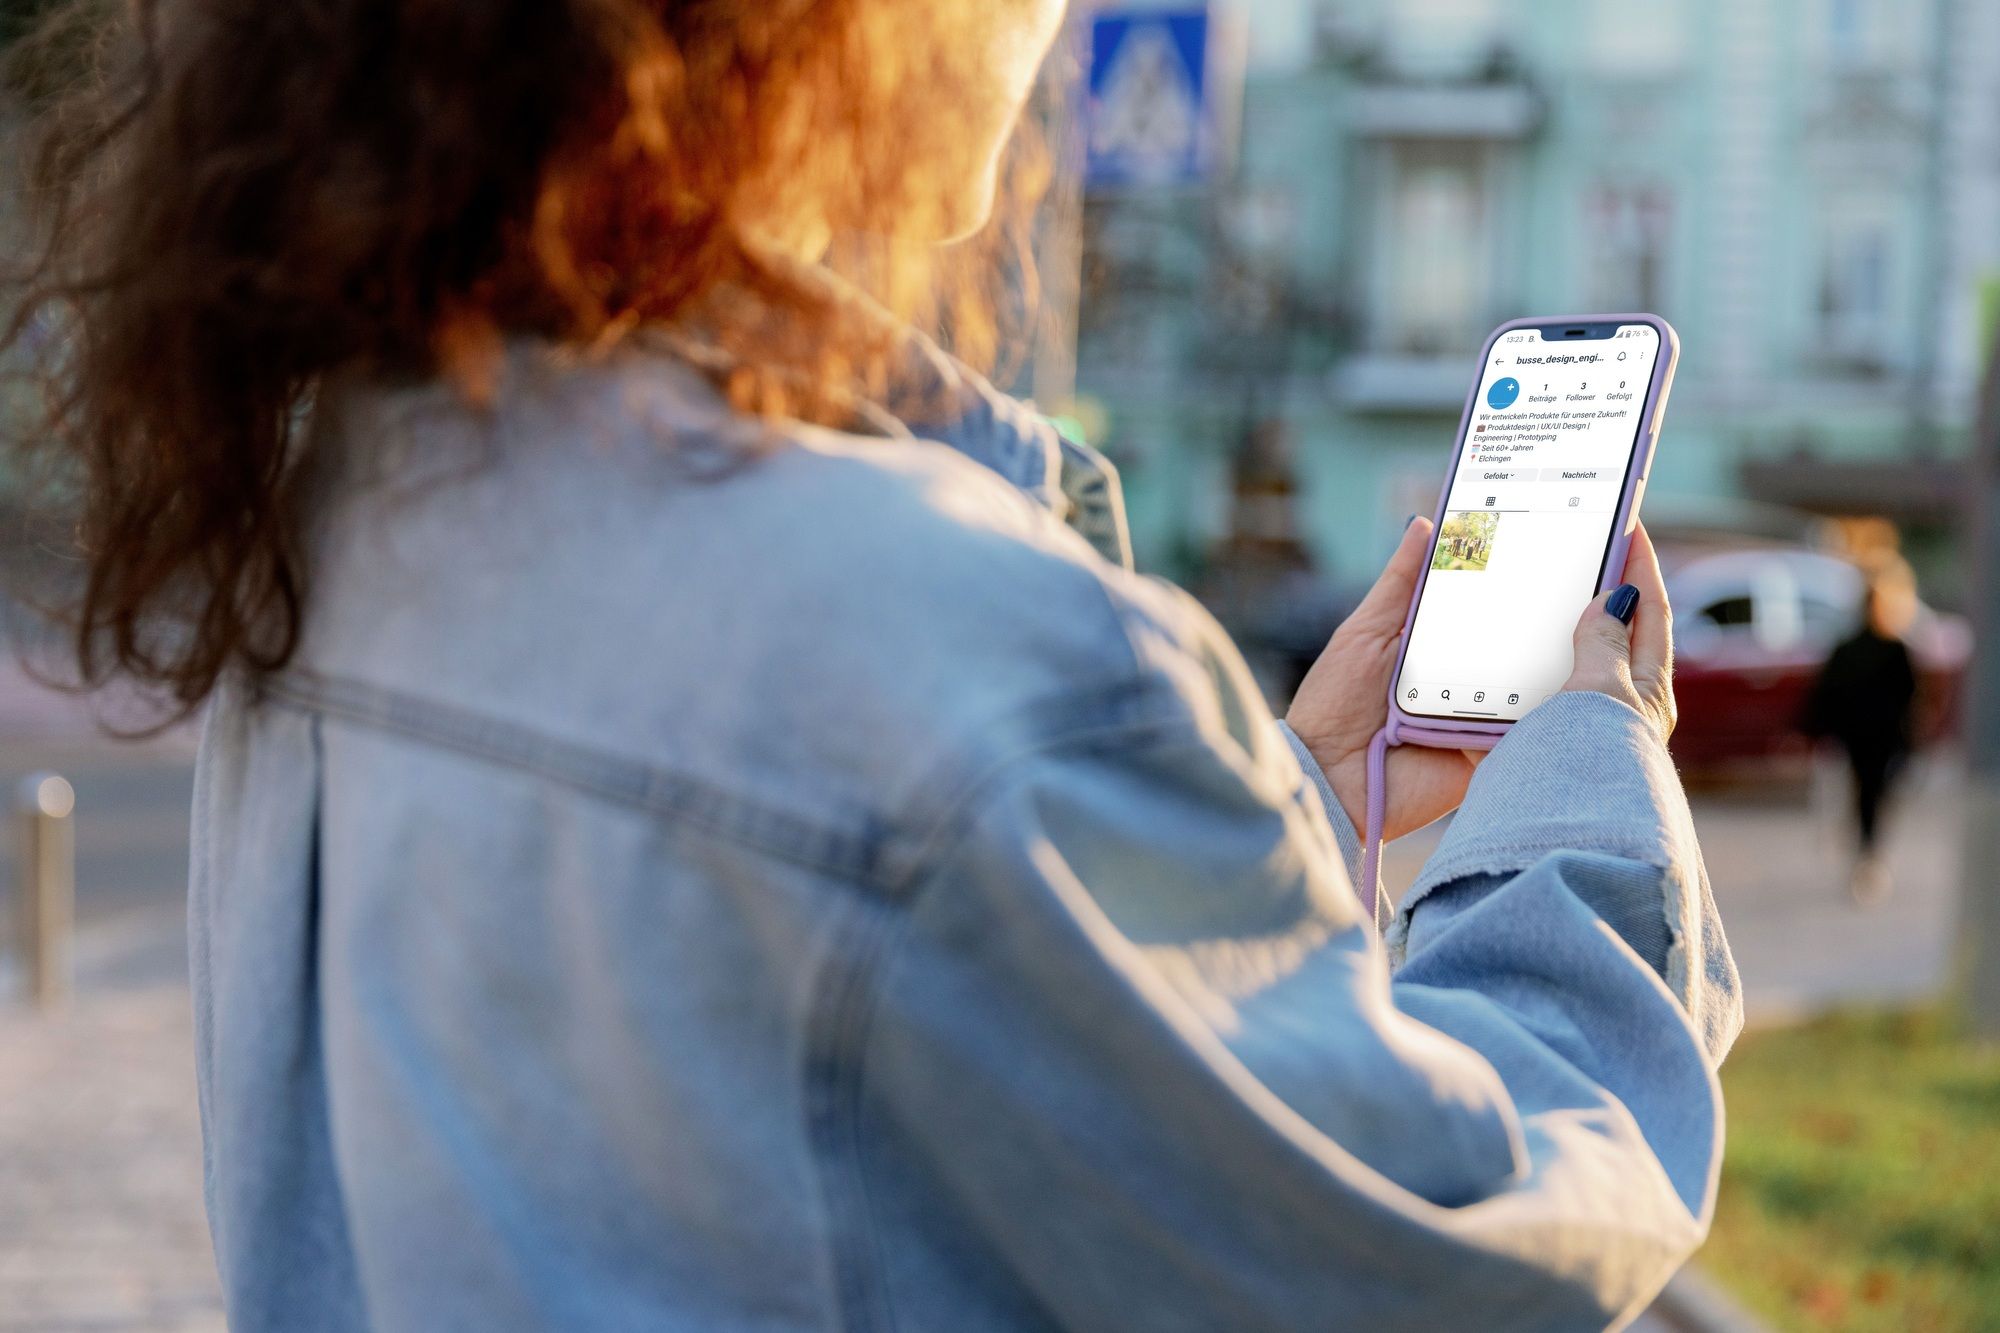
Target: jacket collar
1072 480
1001 433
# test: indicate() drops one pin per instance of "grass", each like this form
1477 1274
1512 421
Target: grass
1861 1189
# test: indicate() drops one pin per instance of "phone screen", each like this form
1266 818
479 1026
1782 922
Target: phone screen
1528 523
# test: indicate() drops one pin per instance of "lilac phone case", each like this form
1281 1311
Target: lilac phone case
1405 729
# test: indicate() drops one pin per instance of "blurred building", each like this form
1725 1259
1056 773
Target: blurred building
1808 189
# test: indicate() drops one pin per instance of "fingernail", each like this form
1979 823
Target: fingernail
1406 522
1623 603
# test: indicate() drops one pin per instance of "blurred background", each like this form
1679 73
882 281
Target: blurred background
1284 229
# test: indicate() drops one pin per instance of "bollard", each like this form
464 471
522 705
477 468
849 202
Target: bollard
47 834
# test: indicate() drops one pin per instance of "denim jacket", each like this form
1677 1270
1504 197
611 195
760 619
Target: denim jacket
705 875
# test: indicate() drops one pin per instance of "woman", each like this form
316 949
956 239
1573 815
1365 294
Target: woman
698 825
1864 700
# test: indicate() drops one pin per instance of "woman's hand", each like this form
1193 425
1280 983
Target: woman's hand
1345 698
1633 665
1345 701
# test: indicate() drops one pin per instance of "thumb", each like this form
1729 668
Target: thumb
1603 642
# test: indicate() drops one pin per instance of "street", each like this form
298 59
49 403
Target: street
101 1224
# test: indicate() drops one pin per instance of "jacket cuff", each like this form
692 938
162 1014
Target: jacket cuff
1344 831
1581 773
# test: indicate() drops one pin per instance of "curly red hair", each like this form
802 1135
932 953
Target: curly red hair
237 197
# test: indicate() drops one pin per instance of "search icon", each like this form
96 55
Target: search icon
1621 356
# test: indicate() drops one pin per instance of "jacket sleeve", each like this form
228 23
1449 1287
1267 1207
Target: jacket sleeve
1134 1024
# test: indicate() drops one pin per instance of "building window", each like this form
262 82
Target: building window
1437 246
1629 231
1854 291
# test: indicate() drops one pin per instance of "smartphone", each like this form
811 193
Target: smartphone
1536 516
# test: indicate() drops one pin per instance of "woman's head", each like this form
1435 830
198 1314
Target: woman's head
1889 603
244 196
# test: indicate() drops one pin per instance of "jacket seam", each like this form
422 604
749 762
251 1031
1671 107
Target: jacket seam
888 854
1132 708
657 791
1056 720
203 874
842 1017
836 1040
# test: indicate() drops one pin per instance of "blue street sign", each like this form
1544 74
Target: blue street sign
1151 118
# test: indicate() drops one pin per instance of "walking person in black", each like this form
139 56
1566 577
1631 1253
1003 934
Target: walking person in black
1865 700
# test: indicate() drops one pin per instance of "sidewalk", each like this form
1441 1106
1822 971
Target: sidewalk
101 1224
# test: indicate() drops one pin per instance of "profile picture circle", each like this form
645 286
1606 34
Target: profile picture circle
1503 393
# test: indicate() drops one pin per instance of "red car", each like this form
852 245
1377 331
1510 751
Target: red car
1752 627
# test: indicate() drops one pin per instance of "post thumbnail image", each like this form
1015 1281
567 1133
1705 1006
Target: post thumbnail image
1466 540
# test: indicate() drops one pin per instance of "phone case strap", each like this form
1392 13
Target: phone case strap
1397 733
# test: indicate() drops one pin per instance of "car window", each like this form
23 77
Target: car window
1825 621
1730 612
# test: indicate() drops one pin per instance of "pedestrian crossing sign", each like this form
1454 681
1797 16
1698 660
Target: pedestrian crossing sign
1150 117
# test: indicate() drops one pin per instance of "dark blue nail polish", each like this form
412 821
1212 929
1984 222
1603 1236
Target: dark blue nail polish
1411 519
1623 603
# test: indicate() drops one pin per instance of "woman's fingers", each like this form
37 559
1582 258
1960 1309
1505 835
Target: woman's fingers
1652 631
1603 642
1624 640
1382 611
1344 699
